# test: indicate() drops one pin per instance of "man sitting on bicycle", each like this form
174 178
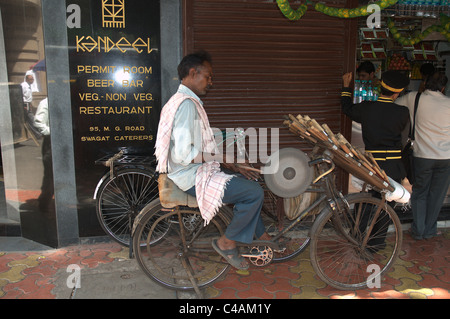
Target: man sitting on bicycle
185 142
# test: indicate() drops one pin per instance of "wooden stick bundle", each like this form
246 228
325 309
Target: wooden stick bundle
353 160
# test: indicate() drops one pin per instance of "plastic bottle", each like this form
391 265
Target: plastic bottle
356 92
370 92
412 8
436 6
419 8
402 6
428 8
363 91
445 7
375 93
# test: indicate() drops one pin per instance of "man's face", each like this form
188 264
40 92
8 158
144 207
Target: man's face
202 79
30 79
364 76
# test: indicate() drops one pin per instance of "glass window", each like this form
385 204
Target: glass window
26 183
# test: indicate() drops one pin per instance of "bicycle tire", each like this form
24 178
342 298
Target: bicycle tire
162 261
121 198
338 252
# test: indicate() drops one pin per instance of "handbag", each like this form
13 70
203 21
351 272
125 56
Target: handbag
407 152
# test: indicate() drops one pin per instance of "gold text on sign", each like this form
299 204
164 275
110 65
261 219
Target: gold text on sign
106 44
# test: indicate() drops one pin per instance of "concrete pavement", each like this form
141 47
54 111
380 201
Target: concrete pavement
32 271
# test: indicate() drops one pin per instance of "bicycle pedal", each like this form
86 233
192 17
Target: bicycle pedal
260 253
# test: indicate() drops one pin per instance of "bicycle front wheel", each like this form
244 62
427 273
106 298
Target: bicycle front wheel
121 198
183 257
355 245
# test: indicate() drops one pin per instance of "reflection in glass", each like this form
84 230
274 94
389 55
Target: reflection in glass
25 132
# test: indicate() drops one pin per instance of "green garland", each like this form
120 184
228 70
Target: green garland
294 15
290 13
351 13
443 28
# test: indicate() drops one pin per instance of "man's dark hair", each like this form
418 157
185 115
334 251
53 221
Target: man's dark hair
366 66
427 69
193 60
436 82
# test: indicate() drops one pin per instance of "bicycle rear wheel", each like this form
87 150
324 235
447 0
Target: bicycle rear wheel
121 198
184 254
354 246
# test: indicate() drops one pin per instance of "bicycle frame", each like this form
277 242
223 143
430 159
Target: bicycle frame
334 200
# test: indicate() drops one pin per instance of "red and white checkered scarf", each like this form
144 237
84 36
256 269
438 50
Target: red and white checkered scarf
210 182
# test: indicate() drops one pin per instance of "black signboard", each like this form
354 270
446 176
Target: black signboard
114 57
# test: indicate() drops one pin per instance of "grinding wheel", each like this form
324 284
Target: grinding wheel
293 176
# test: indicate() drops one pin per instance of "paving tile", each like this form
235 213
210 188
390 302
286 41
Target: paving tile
16 293
388 294
430 281
212 292
14 274
421 272
282 295
402 272
308 279
281 284
410 287
439 293
231 280
227 293
27 284
308 292
285 271
44 292
254 291
3 283
257 276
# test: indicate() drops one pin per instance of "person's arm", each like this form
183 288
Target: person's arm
41 118
348 108
27 93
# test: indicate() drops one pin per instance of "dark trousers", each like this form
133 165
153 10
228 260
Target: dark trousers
428 193
248 198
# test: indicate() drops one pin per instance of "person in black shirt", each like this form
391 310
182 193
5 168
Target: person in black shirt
382 121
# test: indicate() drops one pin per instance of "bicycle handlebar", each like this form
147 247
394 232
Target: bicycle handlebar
320 161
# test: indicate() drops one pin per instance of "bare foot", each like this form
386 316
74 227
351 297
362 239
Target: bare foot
227 244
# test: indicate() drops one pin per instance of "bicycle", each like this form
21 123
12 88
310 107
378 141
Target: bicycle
183 258
128 186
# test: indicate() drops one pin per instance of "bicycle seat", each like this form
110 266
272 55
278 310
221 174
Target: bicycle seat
170 195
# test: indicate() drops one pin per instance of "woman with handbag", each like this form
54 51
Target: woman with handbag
431 154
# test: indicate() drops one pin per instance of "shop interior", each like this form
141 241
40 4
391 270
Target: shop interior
409 37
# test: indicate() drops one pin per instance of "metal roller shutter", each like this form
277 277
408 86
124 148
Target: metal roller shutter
266 66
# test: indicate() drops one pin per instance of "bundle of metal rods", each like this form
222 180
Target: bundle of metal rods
358 163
